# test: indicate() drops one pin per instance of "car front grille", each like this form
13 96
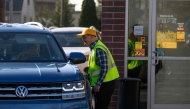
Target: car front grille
35 91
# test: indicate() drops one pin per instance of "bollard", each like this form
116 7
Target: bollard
128 93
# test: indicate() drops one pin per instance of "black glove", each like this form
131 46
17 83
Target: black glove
86 73
85 70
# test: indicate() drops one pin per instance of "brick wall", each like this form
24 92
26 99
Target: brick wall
113 35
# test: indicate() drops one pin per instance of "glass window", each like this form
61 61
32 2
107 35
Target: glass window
173 41
173 27
29 46
69 39
138 28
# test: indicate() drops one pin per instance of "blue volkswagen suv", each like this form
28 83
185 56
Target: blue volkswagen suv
35 73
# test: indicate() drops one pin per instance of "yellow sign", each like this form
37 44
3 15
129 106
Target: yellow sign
139 52
168 36
158 44
166 39
138 45
169 45
180 36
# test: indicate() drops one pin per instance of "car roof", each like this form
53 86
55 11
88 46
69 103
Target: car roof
68 29
16 27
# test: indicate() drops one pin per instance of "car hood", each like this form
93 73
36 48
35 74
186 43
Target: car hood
38 72
84 50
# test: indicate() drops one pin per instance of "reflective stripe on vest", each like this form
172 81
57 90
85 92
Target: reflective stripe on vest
98 72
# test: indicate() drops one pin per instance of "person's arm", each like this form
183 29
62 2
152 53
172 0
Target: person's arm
103 63
20 55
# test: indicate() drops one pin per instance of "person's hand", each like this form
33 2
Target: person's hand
96 88
26 53
23 55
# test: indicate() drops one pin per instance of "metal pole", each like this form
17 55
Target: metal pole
62 14
10 11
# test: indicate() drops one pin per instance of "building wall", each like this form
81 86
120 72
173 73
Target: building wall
28 11
23 11
76 16
113 35
17 18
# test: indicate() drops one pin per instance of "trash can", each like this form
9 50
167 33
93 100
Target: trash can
128 93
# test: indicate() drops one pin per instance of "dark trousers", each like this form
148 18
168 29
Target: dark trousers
103 97
134 73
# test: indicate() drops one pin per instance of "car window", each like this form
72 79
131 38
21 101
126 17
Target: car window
29 46
69 39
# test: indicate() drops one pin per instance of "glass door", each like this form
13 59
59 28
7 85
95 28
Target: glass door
138 49
170 69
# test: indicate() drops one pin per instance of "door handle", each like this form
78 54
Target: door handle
156 58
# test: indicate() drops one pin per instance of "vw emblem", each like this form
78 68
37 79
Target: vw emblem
21 91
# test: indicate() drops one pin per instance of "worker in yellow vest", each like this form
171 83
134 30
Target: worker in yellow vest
134 66
102 70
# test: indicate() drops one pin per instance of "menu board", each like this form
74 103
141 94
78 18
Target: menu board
166 31
180 36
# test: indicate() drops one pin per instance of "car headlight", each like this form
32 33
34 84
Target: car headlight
75 86
73 90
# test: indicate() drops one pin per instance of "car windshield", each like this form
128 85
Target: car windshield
69 39
29 46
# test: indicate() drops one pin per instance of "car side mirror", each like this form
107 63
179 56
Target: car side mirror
77 57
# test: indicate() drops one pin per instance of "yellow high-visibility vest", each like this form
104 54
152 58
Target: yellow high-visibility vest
132 63
94 69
